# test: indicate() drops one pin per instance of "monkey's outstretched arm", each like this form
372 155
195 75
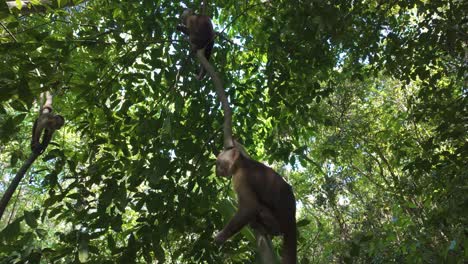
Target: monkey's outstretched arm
242 217
248 208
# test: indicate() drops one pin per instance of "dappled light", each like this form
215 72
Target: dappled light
359 106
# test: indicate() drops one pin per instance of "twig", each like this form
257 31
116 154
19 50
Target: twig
220 34
225 38
14 206
9 32
241 14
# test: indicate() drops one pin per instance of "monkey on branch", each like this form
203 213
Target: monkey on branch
45 125
265 200
201 34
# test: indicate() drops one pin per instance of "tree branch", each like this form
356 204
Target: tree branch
228 139
9 32
15 182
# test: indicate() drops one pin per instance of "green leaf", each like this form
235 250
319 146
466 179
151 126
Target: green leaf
11 231
19 4
303 222
111 244
31 218
41 233
129 255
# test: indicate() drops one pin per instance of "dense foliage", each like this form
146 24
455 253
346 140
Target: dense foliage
361 105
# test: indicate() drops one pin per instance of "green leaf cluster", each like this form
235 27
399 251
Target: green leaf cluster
360 105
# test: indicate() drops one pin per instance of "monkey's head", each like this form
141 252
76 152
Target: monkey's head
187 12
225 161
58 121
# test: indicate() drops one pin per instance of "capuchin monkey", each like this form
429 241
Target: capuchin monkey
47 122
266 201
201 34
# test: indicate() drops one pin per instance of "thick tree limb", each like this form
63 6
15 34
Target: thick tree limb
264 245
15 182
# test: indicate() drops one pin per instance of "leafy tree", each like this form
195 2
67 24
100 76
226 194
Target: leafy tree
361 105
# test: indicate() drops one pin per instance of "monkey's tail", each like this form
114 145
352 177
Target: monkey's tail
290 246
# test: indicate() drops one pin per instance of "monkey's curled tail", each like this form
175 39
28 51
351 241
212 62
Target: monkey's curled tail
290 246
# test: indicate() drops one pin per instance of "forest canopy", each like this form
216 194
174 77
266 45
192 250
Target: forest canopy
360 105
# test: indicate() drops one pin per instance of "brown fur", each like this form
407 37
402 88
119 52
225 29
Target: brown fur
201 34
266 201
48 123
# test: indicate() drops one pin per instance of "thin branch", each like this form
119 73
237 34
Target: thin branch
379 164
9 32
389 167
12 213
314 163
222 36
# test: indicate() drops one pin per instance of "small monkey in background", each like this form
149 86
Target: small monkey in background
47 122
265 200
201 34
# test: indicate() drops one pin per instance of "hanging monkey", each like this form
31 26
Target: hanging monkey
201 34
47 122
266 200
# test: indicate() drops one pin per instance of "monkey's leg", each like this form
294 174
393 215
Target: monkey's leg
45 141
183 29
202 71
208 50
269 221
